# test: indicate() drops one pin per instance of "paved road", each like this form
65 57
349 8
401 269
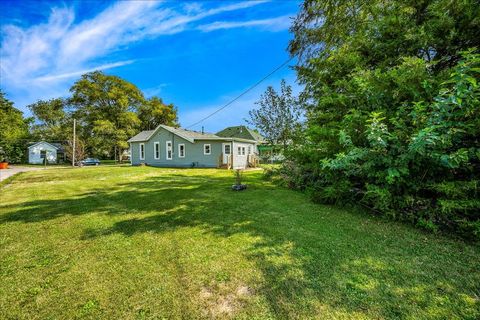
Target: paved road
5 173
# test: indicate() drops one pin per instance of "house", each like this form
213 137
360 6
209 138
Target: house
243 132
53 152
263 150
175 147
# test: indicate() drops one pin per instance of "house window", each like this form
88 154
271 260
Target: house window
142 151
181 150
169 152
156 150
43 154
239 151
206 149
243 151
226 149
249 150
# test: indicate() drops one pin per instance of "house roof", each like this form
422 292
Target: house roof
188 135
58 145
142 136
243 132
55 145
195 135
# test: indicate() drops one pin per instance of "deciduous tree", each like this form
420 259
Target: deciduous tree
154 112
80 150
14 131
106 107
278 114
51 120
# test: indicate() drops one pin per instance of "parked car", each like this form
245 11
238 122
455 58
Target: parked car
89 162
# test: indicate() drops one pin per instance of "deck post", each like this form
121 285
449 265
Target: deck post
220 160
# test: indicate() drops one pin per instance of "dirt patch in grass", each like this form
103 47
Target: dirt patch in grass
218 305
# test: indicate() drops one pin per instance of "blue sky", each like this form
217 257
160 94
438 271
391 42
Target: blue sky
197 55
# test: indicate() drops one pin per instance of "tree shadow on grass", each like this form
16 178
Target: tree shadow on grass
314 260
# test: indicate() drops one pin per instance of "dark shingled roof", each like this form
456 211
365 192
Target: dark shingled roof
242 132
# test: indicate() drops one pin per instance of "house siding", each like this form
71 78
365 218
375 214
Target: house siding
193 151
241 160
34 153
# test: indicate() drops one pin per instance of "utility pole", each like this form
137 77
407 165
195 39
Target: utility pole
73 151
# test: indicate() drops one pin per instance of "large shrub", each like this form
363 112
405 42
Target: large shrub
431 175
392 108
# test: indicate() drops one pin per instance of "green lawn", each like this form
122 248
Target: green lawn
140 242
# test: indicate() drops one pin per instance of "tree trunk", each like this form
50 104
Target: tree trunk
120 152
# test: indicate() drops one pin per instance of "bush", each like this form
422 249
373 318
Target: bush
420 164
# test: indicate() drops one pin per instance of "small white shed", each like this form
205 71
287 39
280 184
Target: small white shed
41 150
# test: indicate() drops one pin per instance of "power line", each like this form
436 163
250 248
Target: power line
242 94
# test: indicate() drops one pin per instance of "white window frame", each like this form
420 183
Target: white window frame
243 151
179 150
156 146
141 151
167 145
225 145
249 150
205 149
239 151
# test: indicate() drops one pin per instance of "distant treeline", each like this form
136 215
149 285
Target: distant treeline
108 111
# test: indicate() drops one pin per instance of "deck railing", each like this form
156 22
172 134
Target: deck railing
253 160
222 164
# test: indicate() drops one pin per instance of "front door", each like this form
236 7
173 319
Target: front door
227 151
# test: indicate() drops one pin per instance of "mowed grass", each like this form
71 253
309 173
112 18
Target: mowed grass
141 243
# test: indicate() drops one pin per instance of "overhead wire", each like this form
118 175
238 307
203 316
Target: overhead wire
242 94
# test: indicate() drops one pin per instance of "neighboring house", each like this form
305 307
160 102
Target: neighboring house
53 152
243 132
264 150
175 147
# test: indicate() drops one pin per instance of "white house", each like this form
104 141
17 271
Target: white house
53 152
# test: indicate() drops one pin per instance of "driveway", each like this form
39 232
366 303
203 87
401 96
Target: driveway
5 173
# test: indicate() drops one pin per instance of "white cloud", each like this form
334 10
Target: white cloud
154 91
62 48
274 24
80 72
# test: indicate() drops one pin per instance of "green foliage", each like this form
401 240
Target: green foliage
277 117
106 107
435 165
154 112
393 108
52 122
238 174
13 131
